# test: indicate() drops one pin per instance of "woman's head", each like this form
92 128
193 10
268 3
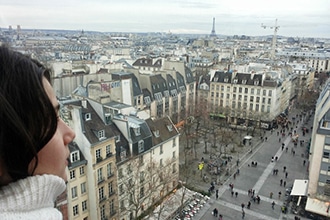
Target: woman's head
29 120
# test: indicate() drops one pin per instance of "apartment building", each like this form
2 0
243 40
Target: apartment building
148 168
77 190
246 98
169 87
97 139
319 164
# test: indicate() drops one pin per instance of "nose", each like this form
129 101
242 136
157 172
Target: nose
68 133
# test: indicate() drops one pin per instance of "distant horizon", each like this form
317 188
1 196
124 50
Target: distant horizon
295 18
14 28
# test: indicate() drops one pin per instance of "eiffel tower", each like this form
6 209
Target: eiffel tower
213 34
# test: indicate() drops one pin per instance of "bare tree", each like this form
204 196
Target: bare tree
145 185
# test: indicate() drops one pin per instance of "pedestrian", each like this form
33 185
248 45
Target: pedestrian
273 204
266 139
286 149
236 193
242 205
271 195
216 196
284 183
220 217
34 140
279 195
293 152
286 174
232 193
304 162
284 168
243 214
248 205
281 181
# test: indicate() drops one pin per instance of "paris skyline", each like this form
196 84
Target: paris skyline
296 18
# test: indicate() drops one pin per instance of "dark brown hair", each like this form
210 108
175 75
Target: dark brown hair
27 117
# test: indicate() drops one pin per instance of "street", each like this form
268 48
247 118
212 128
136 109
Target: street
260 178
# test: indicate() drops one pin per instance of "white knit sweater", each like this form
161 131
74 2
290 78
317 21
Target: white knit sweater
31 198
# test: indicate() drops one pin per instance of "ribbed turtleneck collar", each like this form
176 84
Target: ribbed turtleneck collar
33 192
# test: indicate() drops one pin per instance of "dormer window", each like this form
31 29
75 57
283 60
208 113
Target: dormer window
225 79
256 82
174 93
169 127
156 133
166 93
147 100
137 131
88 116
101 135
235 81
182 89
158 96
74 156
216 79
244 81
117 138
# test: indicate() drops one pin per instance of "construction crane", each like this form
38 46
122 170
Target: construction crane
272 54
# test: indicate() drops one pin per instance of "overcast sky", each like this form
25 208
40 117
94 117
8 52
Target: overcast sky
296 18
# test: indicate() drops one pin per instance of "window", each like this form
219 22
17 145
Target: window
269 101
161 149
88 116
99 175
83 188
161 162
110 188
246 90
240 89
244 81
112 207
84 205
109 169
74 192
174 143
270 93
82 170
101 134
326 155
264 92
108 150
136 130
101 193
141 146
252 91
74 156
75 210
98 154
258 91
173 155
102 212
72 174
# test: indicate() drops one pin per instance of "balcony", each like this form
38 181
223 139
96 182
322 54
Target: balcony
100 180
109 154
99 159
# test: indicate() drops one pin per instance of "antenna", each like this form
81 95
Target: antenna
272 54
